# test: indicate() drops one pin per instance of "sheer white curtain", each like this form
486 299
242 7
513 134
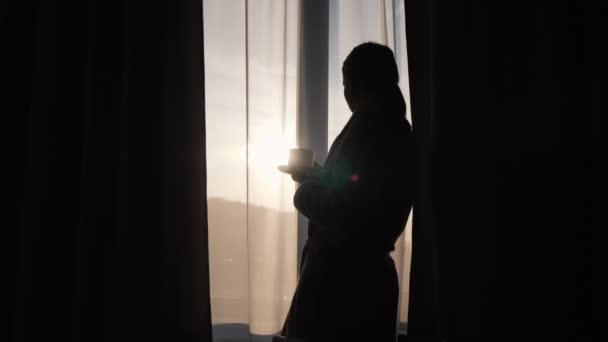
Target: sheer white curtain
251 77
251 55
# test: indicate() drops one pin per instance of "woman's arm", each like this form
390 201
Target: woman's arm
353 192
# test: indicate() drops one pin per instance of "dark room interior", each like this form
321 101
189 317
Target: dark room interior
135 130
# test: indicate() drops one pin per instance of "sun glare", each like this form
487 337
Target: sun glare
266 154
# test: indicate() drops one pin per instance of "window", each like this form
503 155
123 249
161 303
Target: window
252 97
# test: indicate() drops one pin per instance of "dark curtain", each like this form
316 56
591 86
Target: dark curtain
501 245
106 239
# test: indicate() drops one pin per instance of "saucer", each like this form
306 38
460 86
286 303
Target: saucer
294 169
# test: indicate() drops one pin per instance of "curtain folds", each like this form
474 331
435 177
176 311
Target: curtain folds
251 115
501 250
112 237
424 319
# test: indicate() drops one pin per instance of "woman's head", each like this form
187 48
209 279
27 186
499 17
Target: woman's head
369 70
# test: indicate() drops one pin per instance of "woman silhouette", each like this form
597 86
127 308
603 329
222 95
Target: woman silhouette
357 208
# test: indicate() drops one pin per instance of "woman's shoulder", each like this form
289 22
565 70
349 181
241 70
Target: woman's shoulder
383 125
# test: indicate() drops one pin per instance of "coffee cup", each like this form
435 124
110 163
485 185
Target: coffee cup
301 158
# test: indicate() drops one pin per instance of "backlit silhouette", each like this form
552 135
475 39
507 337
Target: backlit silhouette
357 207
